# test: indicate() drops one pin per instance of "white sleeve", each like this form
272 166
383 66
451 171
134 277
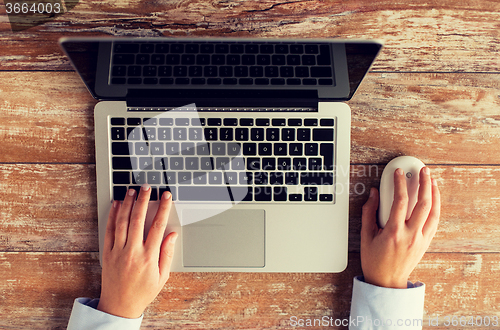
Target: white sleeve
85 316
375 307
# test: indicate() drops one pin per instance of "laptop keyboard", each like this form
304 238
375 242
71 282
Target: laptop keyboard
259 159
218 63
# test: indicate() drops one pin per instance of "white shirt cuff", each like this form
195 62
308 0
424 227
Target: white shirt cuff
375 307
85 316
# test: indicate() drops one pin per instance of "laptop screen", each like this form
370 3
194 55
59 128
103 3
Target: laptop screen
297 69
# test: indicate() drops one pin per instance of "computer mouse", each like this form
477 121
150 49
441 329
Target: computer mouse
411 167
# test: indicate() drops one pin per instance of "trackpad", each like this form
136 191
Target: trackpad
233 238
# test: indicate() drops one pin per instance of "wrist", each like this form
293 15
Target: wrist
128 312
387 283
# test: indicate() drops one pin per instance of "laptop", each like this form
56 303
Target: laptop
251 137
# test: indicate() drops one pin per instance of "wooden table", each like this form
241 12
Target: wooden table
433 93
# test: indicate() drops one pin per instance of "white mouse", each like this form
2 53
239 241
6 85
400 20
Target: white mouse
411 167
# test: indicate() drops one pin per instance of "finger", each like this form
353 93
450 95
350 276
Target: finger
424 203
123 219
157 230
431 225
138 216
109 238
167 255
369 226
397 217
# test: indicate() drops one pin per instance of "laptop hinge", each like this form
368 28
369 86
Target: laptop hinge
223 98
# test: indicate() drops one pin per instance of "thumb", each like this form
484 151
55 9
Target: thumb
369 226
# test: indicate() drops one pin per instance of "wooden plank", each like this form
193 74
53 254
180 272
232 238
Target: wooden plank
53 207
48 208
38 290
439 118
419 36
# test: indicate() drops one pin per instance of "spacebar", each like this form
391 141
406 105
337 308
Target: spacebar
209 193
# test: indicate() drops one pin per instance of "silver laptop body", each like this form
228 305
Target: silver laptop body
267 194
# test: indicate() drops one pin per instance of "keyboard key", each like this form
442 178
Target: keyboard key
295 198
214 121
308 60
154 178
147 48
321 71
263 194
326 150
133 121
126 48
230 122
200 193
262 122
310 194
294 122
257 134
124 163
121 177
246 122
279 122
311 149
315 164
169 178
295 149
118 133
249 149
311 49
327 122
123 59
119 193
280 194
284 164
311 122
323 134
206 163
288 134
316 178
268 164
291 178
324 58
210 134
299 164
260 178
265 149
303 134
215 177
253 164
276 178
280 149
273 134
241 134
326 197
176 163
121 148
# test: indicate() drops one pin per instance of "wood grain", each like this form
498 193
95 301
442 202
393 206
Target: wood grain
430 35
40 289
52 207
440 118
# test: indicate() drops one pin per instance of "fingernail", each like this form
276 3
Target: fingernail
115 204
174 238
146 187
131 192
167 195
426 170
399 171
434 182
372 192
